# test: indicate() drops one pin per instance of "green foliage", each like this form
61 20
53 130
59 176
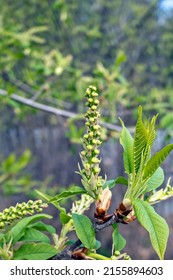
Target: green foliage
126 141
28 239
111 183
154 224
155 180
118 240
71 191
138 162
13 177
153 164
101 50
31 239
145 175
84 230
32 251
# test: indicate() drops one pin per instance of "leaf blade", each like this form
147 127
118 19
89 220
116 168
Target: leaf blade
72 191
126 140
84 230
118 240
154 224
156 180
32 251
18 230
156 160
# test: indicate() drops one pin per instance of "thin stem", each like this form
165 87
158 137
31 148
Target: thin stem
97 256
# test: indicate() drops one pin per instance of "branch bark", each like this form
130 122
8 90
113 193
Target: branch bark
53 110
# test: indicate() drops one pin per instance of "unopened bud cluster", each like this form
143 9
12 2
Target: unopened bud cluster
20 210
80 206
91 180
161 194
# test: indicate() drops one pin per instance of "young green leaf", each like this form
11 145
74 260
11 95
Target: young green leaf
156 160
84 230
154 224
70 192
118 240
140 140
32 251
32 234
156 180
18 230
111 183
64 218
48 198
126 140
143 139
42 227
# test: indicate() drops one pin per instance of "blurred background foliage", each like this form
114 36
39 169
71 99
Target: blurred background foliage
51 50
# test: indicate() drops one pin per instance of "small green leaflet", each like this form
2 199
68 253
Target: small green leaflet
64 218
154 224
32 251
70 192
84 230
118 240
140 141
111 183
48 198
32 234
126 140
18 230
43 227
143 139
156 160
156 180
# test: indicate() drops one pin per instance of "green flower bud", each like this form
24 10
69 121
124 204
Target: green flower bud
96 127
39 202
96 102
94 94
85 136
30 202
95 160
13 216
127 257
91 134
89 147
4 217
2 224
87 166
117 253
96 151
98 142
91 119
94 141
96 170
93 88
6 211
88 91
90 100
98 133
83 153
93 107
